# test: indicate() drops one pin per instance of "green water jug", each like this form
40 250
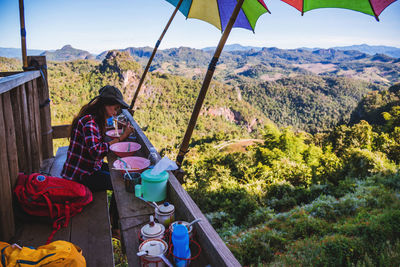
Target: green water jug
154 187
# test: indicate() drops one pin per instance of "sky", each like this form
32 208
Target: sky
99 25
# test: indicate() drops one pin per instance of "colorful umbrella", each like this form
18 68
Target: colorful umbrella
225 14
370 7
218 12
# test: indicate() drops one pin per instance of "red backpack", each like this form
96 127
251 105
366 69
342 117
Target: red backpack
53 197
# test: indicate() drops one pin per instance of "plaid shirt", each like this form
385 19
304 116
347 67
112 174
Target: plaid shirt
86 150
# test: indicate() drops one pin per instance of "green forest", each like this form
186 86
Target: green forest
318 186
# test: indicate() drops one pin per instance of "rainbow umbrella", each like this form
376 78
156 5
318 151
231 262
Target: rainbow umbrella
218 12
225 14
370 7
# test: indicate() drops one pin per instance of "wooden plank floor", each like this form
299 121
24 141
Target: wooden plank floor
90 229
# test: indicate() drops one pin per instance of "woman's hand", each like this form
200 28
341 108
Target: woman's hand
128 129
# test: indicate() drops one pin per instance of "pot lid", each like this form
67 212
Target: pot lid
153 247
166 207
152 228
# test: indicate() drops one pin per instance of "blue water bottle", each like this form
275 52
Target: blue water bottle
110 121
180 240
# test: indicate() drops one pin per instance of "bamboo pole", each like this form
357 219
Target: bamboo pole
23 33
206 83
154 53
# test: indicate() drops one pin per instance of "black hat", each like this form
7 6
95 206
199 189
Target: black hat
109 91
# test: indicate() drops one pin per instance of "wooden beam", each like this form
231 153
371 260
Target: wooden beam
204 88
39 63
61 131
11 144
26 128
7 228
154 53
8 73
10 82
23 33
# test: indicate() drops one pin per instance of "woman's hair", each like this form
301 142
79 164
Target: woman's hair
96 108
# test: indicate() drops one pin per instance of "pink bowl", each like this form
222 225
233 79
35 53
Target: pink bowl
135 164
113 133
125 149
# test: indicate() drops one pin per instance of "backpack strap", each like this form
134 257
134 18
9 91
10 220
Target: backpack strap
57 224
3 256
49 204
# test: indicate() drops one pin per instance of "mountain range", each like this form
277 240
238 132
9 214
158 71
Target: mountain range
67 52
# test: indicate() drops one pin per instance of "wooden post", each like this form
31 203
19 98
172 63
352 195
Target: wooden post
39 63
203 91
17 115
23 33
7 227
153 54
12 153
34 124
25 128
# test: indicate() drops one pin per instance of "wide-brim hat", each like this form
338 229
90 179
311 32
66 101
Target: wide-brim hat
110 91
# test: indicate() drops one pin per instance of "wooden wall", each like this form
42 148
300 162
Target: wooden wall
21 144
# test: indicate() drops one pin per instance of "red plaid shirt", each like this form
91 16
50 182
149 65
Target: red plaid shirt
86 150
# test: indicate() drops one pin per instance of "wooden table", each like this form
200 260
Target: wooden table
134 213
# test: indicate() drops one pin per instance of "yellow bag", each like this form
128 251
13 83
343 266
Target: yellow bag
57 253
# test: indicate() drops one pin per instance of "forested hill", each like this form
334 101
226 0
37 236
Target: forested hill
272 63
293 97
291 198
164 104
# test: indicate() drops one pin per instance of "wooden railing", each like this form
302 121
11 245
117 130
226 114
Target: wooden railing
25 132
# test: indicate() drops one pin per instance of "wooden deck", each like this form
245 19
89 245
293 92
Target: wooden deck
90 229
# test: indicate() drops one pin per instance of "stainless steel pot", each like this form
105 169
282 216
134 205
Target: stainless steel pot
188 225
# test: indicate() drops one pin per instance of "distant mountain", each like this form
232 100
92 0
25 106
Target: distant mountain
233 47
373 49
67 53
364 48
16 52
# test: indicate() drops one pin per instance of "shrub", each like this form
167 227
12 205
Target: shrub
361 163
340 250
257 244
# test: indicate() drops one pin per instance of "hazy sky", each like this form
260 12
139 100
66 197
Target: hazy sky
98 25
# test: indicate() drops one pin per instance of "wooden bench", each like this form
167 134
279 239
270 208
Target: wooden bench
90 229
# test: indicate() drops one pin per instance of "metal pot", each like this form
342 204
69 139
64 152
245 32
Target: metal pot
165 213
188 225
152 230
151 252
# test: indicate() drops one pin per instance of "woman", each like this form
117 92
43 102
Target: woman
87 147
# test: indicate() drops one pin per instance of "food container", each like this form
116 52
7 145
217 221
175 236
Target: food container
131 180
113 134
154 187
152 230
134 164
151 248
165 213
125 149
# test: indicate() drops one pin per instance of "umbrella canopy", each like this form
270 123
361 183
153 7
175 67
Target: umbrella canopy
218 12
370 7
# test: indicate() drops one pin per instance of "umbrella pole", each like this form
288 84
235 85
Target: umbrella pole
154 53
23 34
203 91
